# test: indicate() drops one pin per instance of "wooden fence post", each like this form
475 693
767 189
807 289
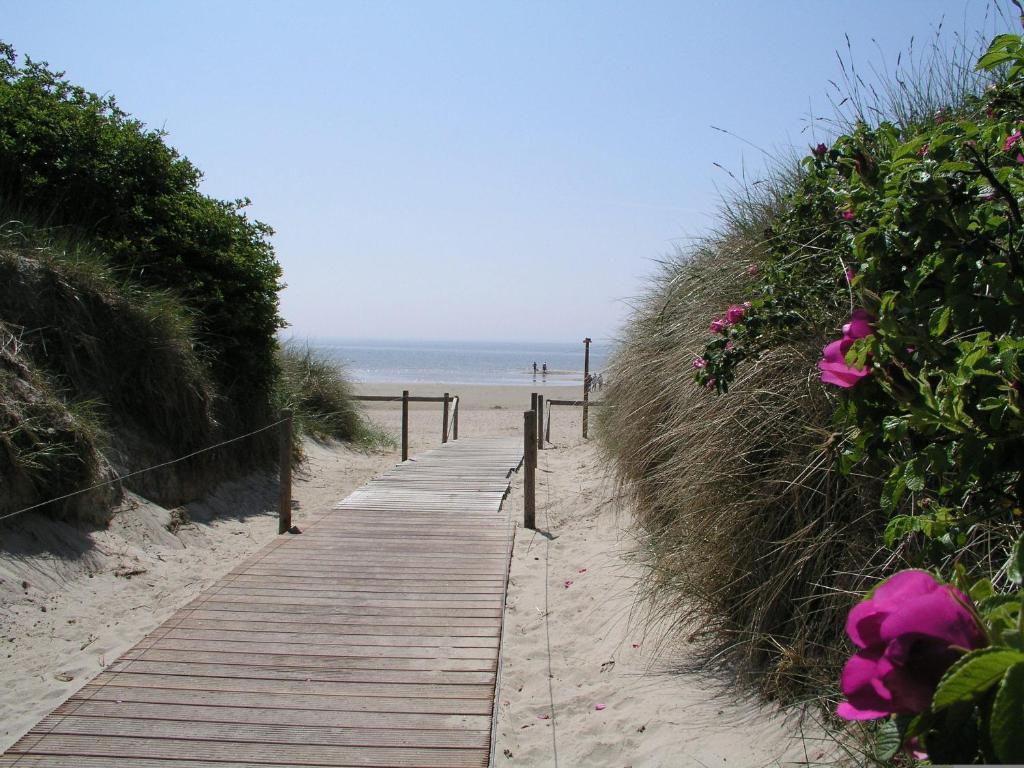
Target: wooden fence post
405 425
540 422
547 430
455 420
529 465
444 420
586 381
284 486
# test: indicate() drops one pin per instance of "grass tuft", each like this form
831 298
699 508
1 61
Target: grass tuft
320 395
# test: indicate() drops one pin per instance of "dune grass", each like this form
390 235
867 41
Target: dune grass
320 396
751 536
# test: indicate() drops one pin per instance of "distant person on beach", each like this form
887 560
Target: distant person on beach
544 370
534 367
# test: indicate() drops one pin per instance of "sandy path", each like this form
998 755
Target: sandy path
586 680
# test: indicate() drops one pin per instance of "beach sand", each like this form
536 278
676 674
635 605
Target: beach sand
71 601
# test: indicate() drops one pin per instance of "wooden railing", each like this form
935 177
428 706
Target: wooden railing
448 426
585 404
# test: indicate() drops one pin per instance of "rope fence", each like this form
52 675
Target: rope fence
285 419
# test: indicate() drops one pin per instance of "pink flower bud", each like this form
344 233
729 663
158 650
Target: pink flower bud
735 313
833 366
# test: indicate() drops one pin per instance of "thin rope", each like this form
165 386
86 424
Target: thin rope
119 478
547 621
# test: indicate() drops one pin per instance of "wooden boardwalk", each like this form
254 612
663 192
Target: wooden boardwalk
371 639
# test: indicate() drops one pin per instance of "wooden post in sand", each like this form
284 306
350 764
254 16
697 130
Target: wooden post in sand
533 407
444 419
529 465
284 486
540 422
586 382
405 425
455 420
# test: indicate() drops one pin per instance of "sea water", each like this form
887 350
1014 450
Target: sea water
461 362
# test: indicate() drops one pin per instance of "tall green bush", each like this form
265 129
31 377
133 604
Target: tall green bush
922 228
74 159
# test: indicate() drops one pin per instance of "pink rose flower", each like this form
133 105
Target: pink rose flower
735 313
718 325
729 345
820 150
849 275
833 366
699 362
848 214
752 270
908 633
1011 141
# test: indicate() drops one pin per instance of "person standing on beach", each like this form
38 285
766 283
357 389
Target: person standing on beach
544 370
534 367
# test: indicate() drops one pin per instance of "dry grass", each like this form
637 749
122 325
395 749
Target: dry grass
751 533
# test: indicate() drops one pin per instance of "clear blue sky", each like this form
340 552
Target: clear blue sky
471 170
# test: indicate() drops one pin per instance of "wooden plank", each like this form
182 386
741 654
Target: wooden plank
370 640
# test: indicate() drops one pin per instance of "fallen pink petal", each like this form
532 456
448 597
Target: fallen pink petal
582 570
599 707
568 583
543 717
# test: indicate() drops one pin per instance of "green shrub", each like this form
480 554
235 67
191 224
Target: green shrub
927 220
73 159
766 496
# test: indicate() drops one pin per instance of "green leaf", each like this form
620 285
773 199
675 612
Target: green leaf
972 675
898 529
1015 566
981 589
888 741
939 321
1005 726
914 475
